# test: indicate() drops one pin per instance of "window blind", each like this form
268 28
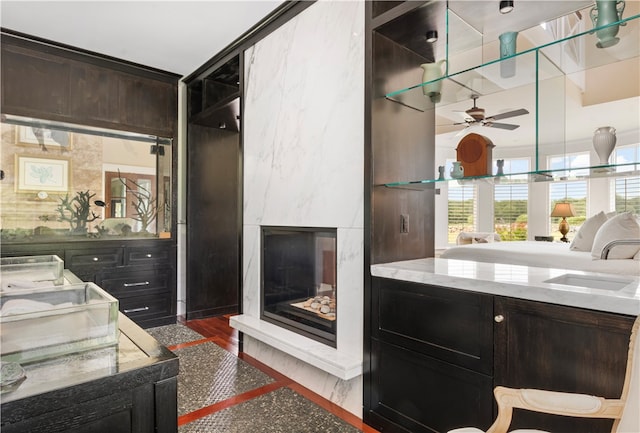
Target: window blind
510 211
462 209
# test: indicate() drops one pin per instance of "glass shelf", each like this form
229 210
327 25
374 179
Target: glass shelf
562 174
568 86
484 78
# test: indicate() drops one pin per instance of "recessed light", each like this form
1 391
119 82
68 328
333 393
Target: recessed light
432 36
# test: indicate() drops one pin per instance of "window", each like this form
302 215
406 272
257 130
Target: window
510 202
574 192
627 194
626 191
461 209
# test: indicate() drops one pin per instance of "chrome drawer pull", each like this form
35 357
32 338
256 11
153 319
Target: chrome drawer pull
144 283
95 259
148 256
499 318
135 310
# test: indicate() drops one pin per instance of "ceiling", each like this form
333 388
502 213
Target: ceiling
174 36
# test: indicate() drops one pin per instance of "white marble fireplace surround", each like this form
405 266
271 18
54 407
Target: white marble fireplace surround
303 138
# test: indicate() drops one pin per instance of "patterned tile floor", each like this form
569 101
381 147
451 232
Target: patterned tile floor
220 393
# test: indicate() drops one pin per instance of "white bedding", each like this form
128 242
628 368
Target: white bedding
541 254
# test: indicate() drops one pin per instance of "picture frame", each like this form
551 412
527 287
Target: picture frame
47 137
35 174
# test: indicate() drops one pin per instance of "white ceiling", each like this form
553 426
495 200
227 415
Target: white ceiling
175 36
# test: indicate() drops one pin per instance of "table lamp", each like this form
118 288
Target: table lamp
563 210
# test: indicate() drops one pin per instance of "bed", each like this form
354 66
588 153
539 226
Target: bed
541 254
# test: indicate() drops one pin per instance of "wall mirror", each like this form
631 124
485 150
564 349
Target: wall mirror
66 182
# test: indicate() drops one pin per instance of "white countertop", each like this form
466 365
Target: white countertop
523 282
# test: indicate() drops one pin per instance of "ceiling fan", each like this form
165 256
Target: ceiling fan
475 115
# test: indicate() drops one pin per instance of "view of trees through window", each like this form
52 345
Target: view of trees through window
510 202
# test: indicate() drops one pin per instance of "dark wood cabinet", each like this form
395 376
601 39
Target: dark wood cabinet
560 348
214 182
54 83
437 353
141 274
432 357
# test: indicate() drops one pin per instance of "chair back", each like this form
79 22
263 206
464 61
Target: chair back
630 420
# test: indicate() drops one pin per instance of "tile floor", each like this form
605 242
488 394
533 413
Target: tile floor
220 392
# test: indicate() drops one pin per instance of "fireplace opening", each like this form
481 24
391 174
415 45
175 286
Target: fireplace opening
298 288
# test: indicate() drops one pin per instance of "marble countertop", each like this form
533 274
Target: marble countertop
523 282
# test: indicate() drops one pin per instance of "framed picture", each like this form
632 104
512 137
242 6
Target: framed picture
42 174
45 137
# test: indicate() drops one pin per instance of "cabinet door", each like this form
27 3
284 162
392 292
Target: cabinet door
425 394
559 348
432 357
451 325
34 83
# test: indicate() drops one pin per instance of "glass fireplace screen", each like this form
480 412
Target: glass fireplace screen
299 280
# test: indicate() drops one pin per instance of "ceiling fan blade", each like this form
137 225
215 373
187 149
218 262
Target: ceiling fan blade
507 126
513 113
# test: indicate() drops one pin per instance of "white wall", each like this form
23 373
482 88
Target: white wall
303 140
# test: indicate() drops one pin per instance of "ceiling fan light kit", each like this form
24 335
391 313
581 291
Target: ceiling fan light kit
476 115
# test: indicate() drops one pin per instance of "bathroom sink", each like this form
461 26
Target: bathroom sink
592 281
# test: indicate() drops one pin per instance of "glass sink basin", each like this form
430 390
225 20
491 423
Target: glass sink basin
591 281
41 323
30 272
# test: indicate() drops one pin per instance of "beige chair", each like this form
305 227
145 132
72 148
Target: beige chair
625 410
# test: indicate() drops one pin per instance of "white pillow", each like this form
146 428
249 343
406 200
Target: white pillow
622 226
584 238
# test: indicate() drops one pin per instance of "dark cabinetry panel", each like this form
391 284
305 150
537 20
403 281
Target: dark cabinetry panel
432 356
563 349
213 216
454 326
424 394
33 80
442 348
43 81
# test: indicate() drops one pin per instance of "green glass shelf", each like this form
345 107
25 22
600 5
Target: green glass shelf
562 174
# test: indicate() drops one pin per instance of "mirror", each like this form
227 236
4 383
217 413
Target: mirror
66 182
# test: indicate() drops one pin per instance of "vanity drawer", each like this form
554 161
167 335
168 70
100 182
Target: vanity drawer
146 307
86 263
144 255
135 283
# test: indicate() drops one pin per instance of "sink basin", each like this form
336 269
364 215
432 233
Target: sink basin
591 281
41 323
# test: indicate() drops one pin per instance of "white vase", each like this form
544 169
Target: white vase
604 140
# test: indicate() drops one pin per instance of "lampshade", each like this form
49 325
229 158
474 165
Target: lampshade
563 210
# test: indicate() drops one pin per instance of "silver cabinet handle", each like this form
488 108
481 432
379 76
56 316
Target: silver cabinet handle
135 310
143 283
95 259
499 318
148 255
